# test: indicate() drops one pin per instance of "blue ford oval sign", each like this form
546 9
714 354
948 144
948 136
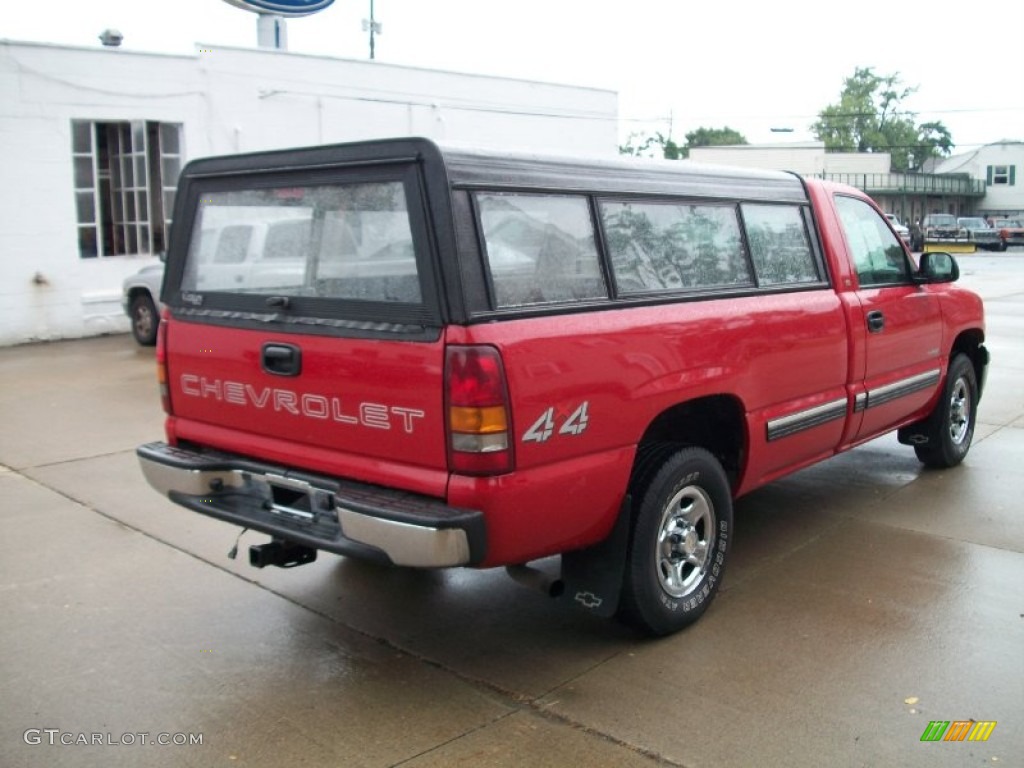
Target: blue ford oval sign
282 7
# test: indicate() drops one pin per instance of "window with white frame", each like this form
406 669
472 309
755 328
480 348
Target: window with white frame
125 174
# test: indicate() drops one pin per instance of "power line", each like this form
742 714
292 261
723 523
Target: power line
817 115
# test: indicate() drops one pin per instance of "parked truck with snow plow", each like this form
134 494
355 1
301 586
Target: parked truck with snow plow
942 232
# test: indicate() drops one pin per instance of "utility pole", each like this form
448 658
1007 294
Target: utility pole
373 26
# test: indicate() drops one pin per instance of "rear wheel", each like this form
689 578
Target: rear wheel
679 543
950 427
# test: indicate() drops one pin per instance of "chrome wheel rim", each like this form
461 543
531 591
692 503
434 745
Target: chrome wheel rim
685 539
143 321
959 412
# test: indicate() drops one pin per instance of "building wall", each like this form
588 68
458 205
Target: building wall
858 162
805 158
1005 198
227 100
46 290
909 196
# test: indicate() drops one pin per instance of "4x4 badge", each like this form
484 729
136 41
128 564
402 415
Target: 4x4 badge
543 428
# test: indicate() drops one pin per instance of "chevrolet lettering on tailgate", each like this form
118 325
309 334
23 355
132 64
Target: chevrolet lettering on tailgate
312 406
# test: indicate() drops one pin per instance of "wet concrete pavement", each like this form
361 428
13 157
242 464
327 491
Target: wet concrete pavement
865 597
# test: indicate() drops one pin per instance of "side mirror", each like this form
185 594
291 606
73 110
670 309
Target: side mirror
938 267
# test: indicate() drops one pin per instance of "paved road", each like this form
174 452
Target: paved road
865 598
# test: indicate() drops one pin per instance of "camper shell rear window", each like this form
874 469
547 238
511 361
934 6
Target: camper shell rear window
321 250
344 241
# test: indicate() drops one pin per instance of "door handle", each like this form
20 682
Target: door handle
282 359
876 321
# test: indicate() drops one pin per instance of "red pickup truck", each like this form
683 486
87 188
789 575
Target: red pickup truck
443 357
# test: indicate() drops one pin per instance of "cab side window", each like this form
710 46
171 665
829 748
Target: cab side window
878 256
779 245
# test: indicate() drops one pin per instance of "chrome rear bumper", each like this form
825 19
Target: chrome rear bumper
338 516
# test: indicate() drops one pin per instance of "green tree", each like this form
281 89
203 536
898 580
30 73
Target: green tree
660 145
713 137
869 117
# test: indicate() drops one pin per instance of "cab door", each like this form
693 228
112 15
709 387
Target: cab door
898 345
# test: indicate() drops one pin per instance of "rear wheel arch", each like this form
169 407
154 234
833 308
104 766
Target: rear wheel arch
715 423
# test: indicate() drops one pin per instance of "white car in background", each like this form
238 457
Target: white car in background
140 297
898 225
255 255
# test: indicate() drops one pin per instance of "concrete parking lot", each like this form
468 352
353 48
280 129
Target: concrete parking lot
866 597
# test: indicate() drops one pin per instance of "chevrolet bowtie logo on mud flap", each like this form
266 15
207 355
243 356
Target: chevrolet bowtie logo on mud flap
307 404
588 600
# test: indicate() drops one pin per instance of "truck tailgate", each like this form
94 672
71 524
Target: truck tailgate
344 406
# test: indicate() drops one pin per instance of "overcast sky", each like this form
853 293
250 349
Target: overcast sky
677 65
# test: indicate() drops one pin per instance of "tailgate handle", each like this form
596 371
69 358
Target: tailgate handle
282 359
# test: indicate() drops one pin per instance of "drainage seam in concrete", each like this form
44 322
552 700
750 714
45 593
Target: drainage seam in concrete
61 462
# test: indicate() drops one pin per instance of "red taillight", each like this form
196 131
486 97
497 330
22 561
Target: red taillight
161 361
478 418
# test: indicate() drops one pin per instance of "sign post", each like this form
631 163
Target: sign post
373 26
272 31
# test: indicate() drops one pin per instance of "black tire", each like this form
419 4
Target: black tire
679 543
950 427
145 320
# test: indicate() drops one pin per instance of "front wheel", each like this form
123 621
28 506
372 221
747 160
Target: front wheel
950 427
679 543
145 320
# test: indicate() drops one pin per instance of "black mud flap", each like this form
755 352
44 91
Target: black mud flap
592 577
914 434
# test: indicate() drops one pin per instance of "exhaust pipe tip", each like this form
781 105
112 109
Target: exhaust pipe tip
536 579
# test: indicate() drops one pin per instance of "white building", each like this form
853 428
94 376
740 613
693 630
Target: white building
808 158
94 139
910 196
999 166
